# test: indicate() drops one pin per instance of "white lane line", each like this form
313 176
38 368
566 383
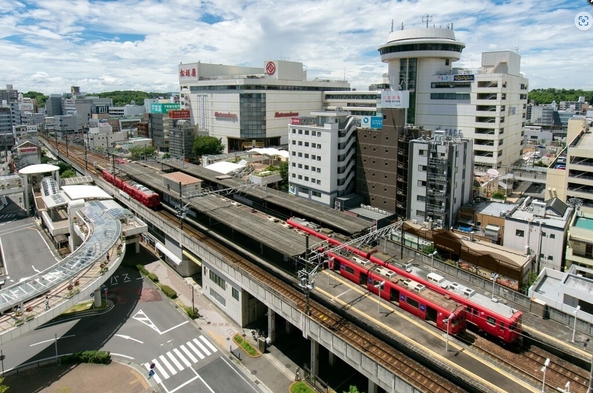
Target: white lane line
189 354
128 338
204 382
180 356
51 340
160 369
185 383
168 365
174 327
123 356
343 293
202 347
189 344
239 374
212 347
174 360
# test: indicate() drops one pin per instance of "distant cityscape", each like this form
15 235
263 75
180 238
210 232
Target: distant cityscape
443 147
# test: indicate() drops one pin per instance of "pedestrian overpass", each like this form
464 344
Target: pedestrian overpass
78 277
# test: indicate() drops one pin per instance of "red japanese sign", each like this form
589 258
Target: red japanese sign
270 68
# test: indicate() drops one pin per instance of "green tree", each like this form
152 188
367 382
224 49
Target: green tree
353 389
3 388
284 170
207 145
63 167
68 173
40 98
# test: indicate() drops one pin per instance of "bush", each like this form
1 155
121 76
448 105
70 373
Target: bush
142 270
301 387
192 313
99 357
167 290
245 345
153 277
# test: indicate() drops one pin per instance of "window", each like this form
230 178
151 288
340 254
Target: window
300 154
306 155
318 158
319 145
318 170
316 194
313 133
294 153
300 177
300 166
217 279
306 178
300 143
421 183
543 234
306 144
293 164
412 302
219 298
552 236
235 293
293 142
313 145
349 269
306 167
491 321
293 131
550 258
306 132
300 132
293 175
318 181
520 233
313 157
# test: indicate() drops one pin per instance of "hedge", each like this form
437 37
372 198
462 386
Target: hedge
142 269
153 277
192 313
100 357
167 290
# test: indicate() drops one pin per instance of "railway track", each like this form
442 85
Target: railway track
529 362
393 360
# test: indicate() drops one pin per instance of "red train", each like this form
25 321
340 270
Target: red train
415 298
496 319
137 191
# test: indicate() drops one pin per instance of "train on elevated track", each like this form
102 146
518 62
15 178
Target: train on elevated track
139 192
497 320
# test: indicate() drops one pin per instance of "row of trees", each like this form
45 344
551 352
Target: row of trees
119 97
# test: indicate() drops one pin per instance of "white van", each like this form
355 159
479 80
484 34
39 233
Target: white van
436 278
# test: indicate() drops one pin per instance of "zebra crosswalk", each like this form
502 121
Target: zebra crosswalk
180 358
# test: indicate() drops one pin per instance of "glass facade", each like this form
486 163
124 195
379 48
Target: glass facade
408 70
431 46
253 115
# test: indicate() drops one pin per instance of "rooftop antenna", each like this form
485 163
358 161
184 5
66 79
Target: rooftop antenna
402 25
391 25
451 25
427 18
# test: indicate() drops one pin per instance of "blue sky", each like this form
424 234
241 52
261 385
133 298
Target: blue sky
50 45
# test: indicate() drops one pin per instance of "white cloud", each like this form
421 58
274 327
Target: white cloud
49 45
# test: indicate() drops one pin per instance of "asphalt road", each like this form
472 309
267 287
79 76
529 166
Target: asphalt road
143 328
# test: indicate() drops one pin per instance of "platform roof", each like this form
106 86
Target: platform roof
300 207
85 192
39 168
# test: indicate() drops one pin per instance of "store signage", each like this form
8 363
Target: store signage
463 78
286 114
157 107
28 150
270 68
372 122
187 72
295 120
179 114
225 116
395 99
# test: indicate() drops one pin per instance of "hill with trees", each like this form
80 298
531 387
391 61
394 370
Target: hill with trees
546 96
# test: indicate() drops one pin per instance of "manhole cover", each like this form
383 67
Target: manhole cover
288 365
253 372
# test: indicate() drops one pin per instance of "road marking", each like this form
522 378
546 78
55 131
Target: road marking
157 379
174 360
128 338
240 376
204 382
212 347
174 327
51 340
168 365
186 382
189 354
189 344
35 270
343 293
180 356
202 347
123 356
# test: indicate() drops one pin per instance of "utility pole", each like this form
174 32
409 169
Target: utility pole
181 209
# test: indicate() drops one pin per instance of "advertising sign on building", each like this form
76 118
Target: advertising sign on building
395 99
295 120
179 114
226 116
463 78
188 72
27 150
372 122
162 108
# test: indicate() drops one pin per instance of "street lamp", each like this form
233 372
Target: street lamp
432 260
546 364
574 329
379 286
494 278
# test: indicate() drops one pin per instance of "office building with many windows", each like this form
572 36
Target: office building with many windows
487 105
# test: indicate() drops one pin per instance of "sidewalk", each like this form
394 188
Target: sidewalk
273 372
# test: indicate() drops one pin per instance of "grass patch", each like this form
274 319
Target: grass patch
83 306
301 387
240 341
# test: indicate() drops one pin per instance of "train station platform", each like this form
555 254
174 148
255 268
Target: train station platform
391 321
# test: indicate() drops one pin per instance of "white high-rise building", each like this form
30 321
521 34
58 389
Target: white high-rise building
441 173
322 164
487 105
